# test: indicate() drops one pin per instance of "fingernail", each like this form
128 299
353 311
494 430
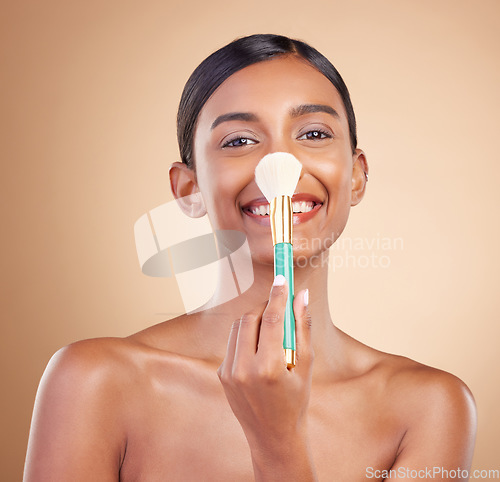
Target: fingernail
279 280
306 297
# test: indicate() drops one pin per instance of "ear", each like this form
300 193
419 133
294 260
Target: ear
359 176
185 190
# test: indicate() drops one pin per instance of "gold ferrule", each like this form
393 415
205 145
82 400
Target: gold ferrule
281 219
290 357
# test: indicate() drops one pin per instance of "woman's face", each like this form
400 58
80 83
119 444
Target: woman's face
282 105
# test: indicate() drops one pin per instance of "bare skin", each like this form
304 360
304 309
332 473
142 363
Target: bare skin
205 397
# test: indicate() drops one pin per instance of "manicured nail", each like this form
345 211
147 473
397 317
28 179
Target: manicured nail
279 280
306 297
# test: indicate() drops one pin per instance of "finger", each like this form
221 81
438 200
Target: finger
224 371
303 328
271 327
248 336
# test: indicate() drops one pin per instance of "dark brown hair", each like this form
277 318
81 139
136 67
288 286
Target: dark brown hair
241 53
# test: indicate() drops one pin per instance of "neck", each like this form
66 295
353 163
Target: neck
219 313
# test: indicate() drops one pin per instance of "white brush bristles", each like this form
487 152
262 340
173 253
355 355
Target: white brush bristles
277 174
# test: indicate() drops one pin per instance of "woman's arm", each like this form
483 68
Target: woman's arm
269 400
75 430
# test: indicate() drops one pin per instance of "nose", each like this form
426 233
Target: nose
281 144
288 146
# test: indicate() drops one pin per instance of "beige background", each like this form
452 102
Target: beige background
89 91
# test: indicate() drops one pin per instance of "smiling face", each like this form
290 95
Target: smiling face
285 105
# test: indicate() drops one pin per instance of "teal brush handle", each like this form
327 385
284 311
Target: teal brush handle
283 264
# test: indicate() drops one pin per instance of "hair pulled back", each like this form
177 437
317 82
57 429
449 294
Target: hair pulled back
237 55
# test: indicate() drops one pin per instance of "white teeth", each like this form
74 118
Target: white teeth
262 210
302 206
297 207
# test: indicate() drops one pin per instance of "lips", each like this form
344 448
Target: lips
304 207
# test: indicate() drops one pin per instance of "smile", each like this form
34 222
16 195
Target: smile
304 207
297 207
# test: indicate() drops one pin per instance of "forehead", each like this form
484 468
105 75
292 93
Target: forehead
272 85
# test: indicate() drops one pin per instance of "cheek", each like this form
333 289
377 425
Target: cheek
335 172
220 183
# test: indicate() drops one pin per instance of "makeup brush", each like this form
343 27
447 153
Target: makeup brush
277 175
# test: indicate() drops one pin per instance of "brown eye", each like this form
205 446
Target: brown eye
239 141
315 135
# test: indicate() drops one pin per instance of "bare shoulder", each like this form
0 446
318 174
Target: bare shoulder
107 371
435 410
97 363
105 367
427 389
88 378
88 400
409 383
94 351
77 428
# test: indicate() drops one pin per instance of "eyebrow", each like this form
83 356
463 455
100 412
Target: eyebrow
311 108
298 111
231 116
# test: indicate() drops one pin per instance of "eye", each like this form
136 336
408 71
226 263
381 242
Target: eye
315 135
239 142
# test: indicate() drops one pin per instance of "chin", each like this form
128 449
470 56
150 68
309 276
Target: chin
262 255
304 255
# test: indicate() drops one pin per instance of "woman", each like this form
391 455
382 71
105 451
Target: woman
205 397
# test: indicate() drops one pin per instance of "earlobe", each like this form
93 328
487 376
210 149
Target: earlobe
185 190
359 176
